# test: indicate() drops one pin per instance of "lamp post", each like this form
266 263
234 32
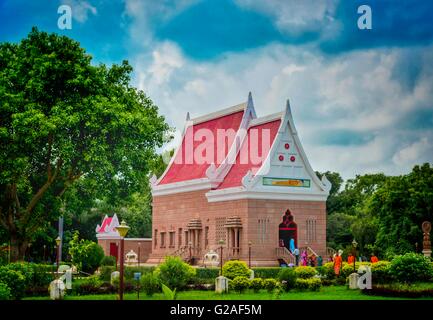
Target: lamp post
221 243
139 246
58 240
29 250
354 245
122 230
249 254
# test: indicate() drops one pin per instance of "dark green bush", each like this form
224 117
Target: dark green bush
5 292
271 272
235 268
311 284
15 280
305 272
287 277
411 267
105 273
380 272
108 261
150 284
327 271
207 273
239 284
175 273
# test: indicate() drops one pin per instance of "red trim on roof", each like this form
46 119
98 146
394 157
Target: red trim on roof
182 171
239 170
105 223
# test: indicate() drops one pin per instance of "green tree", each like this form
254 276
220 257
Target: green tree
402 204
63 120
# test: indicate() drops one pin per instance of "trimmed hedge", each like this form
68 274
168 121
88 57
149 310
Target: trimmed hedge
398 290
305 272
106 271
312 284
271 272
239 284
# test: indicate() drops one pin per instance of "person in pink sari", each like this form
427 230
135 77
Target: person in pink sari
304 258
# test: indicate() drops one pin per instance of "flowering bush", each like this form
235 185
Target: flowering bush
233 269
270 284
305 272
313 284
256 284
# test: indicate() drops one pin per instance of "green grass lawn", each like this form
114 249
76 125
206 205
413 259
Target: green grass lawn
326 293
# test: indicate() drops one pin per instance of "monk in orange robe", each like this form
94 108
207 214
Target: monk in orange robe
350 259
338 261
374 259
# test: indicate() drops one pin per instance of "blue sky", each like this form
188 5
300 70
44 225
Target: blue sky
362 99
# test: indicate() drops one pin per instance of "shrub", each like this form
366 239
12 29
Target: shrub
305 272
129 271
105 272
175 273
5 292
411 267
26 269
312 284
14 280
288 277
207 273
150 284
380 272
264 273
256 284
270 284
108 261
239 284
86 254
235 268
42 275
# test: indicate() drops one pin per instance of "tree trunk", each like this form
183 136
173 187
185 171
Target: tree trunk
18 248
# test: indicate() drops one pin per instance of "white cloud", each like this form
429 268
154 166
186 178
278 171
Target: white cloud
81 9
355 91
421 150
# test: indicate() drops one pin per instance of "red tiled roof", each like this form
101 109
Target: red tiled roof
181 171
105 223
238 169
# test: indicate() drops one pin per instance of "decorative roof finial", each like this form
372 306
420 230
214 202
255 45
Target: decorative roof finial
187 116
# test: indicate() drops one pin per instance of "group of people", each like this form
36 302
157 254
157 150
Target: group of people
338 260
304 259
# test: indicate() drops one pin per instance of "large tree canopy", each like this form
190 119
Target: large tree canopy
64 119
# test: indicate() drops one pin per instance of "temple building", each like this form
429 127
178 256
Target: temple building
242 183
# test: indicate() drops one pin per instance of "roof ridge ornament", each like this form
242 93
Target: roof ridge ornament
153 180
326 183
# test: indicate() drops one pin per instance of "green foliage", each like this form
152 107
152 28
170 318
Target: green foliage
381 272
86 255
270 284
168 293
15 280
256 284
411 267
64 121
235 268
5 292
239 284
287 277
305 272
150 284
402 204
106 271
175 273
271 272
327 271
312 284
108 261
